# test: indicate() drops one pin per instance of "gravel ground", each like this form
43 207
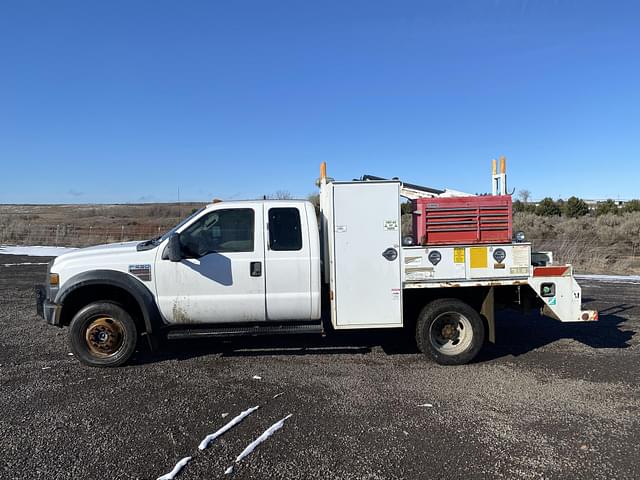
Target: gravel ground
550 400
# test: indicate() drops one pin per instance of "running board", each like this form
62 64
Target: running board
240 331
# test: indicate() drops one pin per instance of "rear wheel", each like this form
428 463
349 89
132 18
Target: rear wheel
450 331
103 334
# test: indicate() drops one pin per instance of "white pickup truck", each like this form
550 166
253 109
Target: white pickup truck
270 267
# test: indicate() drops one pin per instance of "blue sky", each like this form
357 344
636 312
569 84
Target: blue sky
126 101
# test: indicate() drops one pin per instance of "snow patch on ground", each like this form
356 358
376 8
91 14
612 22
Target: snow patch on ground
210 438
633 279
252 446
179 466
23 263
34 250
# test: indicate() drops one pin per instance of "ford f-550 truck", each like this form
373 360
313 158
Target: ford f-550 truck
275 267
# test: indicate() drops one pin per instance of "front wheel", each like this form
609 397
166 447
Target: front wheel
450 331
103 334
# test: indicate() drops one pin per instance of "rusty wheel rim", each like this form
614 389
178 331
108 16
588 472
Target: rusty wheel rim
105 336
451 333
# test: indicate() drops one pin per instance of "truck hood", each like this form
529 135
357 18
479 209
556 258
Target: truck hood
107 254
106 249
118 257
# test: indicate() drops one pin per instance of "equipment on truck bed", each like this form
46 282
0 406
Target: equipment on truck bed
447 221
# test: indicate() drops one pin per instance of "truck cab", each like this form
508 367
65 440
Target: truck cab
254 261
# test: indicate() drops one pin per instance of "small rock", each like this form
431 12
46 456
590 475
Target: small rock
224 415
257 377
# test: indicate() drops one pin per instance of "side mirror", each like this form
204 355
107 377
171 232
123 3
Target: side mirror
174 250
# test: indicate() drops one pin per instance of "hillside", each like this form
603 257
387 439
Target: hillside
81 225
608 243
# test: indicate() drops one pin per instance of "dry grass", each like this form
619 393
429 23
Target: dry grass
608 244
81 225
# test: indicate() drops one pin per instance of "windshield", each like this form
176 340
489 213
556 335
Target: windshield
185 220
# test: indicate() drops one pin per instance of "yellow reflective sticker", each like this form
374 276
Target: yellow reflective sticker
458 255
478 257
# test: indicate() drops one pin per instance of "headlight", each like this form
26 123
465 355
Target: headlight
520 237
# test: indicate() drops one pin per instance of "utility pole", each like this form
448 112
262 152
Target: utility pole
179 206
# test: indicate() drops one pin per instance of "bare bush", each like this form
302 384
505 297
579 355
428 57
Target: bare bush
605 244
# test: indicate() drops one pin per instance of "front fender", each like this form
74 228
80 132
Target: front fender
141 294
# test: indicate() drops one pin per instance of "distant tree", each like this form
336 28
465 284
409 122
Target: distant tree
279 195
548 208
607 207
518 206
283 195
524 195
631 206
406 207
561 205
576 207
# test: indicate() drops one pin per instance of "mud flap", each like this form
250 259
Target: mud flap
488 312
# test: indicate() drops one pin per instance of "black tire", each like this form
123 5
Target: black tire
103 334
450 331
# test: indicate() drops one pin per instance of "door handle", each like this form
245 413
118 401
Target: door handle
390 254
255 269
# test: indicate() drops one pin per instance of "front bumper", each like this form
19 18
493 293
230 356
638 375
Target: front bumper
46 309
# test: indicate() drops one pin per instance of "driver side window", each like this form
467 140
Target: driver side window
220 231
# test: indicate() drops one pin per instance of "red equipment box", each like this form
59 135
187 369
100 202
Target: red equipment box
462 220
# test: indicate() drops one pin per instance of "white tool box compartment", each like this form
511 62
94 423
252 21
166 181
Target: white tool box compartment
365 226
466 262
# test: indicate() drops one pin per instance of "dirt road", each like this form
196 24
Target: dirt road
550 400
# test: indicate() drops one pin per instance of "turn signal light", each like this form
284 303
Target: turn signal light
54 279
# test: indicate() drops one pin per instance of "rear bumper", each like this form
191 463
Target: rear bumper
48 311
560 294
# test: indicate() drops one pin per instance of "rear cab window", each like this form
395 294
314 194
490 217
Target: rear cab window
285 231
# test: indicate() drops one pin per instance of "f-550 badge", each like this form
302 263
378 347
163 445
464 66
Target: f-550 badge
143 272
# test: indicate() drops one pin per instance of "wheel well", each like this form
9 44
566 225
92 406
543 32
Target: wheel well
83 296
416 298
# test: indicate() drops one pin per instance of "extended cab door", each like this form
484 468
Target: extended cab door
222 279
287 262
